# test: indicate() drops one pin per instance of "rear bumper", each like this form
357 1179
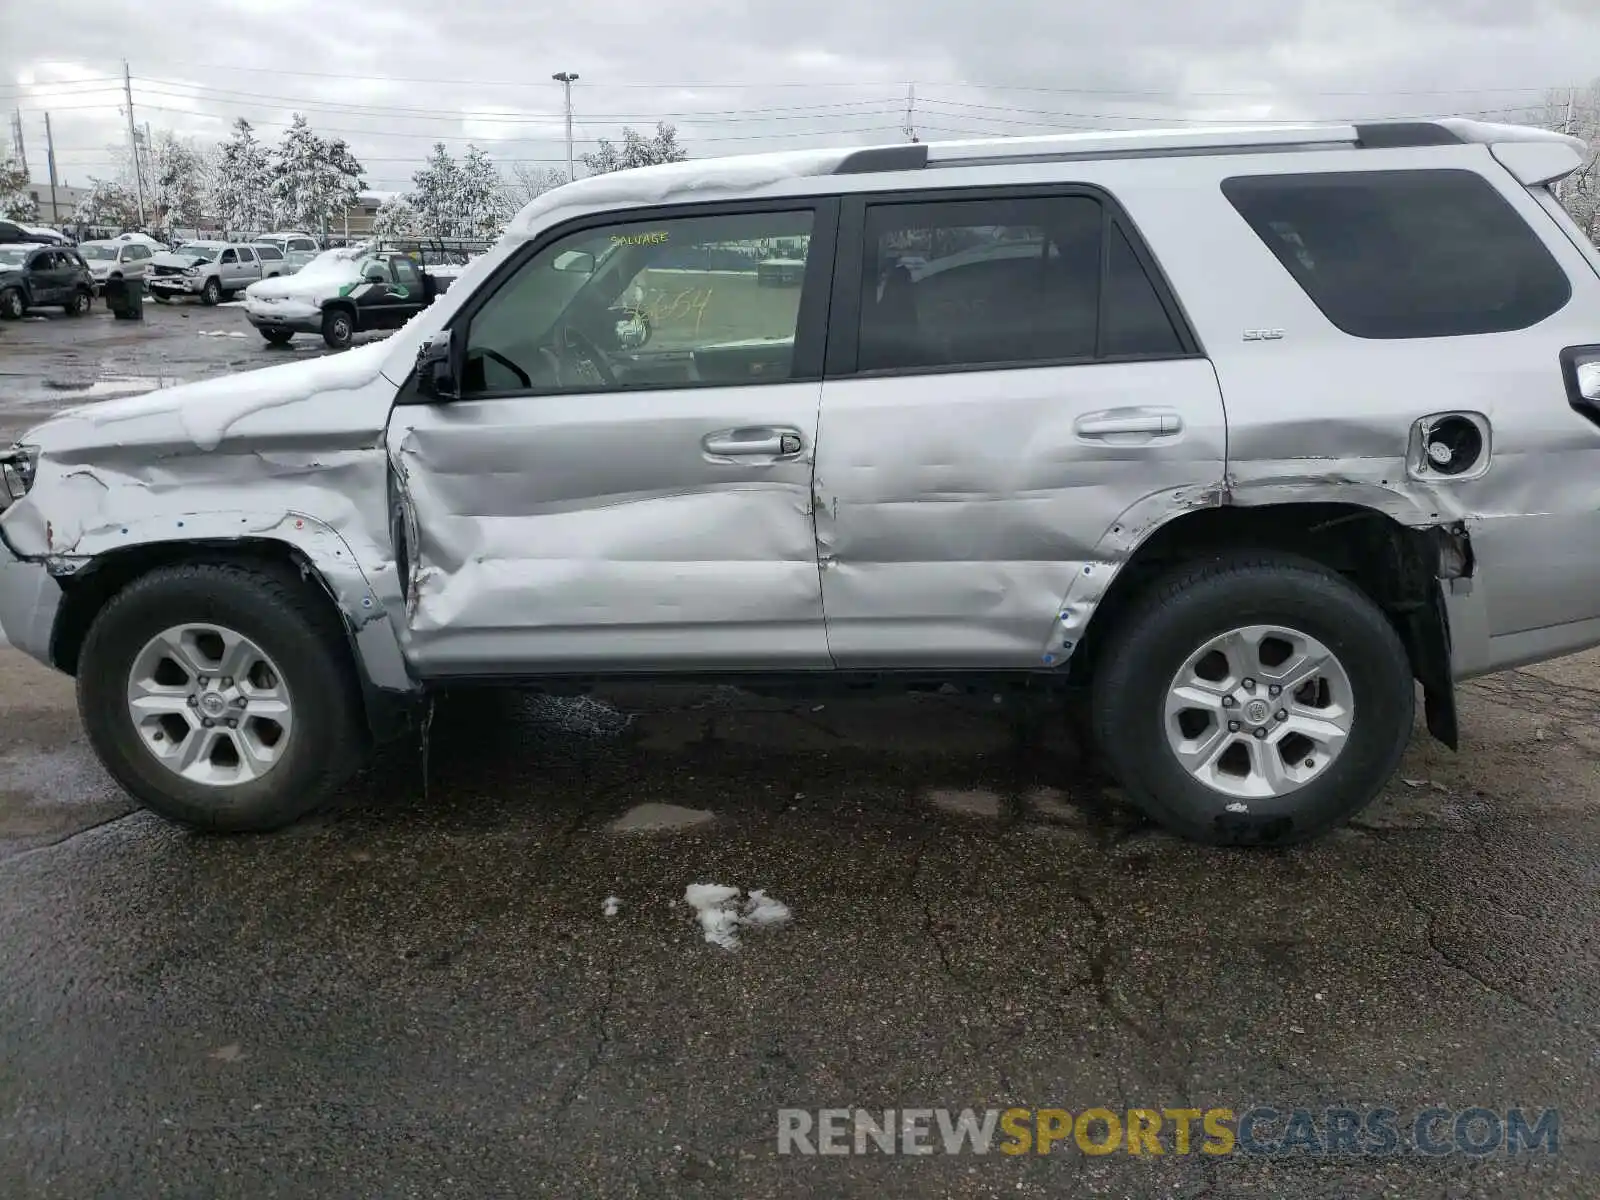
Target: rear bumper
30 598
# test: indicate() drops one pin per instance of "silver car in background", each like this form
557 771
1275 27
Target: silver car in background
116 260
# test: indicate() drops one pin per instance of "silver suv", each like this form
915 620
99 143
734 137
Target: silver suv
1245 432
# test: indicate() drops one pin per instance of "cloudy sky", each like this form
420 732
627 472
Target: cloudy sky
394 76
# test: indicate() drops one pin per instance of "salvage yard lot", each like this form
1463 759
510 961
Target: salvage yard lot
422 986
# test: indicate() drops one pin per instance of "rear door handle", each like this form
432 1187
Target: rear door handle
1129 422
759 442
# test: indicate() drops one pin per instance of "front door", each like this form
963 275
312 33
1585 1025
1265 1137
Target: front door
47 277
625 482
1009 386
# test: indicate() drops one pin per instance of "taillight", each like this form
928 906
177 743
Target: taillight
1580 368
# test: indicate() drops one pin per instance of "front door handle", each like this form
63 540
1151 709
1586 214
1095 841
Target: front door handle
754 443
1136 422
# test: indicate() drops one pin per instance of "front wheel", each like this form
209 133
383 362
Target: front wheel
211 293
278 337
12 305
220 697
338 328
80 303
1253 700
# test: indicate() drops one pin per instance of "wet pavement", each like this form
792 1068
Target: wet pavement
419 993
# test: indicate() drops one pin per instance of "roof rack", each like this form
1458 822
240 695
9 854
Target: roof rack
1150 143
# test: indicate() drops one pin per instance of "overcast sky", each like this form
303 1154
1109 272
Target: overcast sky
393 76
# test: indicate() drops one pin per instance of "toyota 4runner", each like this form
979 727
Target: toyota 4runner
1250 433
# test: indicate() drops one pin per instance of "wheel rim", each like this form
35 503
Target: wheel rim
14 303
341 328
210 705
1259 711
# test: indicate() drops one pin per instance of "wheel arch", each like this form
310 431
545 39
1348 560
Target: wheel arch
1401 568
373 648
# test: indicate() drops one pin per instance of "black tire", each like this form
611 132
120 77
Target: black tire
159 298
82 301
278 337
289 623
12 305
211 293
1179 614
338 328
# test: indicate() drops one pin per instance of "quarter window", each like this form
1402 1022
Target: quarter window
684 302
1405 254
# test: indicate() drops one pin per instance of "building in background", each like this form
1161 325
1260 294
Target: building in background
66 201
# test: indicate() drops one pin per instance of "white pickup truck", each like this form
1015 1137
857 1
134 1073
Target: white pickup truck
210 270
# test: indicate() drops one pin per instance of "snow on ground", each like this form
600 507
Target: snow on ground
721 916
220 333
611 906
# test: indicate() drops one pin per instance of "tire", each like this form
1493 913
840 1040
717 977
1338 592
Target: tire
12 305
300 639
159 298
80 303
338 328
1177 618
211 293
278 337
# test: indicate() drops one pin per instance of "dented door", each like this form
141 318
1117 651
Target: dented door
645 507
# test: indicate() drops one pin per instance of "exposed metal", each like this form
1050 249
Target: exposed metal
1259 711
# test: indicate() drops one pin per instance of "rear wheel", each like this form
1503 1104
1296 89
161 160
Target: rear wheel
220 696
338 328
12 305
1253 700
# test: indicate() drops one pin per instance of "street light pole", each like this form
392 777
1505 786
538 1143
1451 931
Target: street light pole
566 79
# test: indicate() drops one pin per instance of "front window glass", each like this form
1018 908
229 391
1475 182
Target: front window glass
676 303
99 253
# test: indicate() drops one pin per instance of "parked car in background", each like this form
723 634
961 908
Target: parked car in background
295 239
46 236
34 276
271 257
295 259
212 271
116 260
342 293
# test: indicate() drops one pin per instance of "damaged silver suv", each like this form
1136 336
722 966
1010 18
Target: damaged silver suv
1249 432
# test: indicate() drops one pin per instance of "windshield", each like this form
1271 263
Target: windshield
12 256
196 250
98 253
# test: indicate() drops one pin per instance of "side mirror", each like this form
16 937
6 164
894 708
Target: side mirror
579 262
437 377
633 328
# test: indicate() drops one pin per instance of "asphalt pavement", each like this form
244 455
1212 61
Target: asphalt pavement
477 974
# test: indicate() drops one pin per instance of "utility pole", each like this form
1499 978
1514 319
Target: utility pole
1572 96
910 129
50 158
566 79
133 140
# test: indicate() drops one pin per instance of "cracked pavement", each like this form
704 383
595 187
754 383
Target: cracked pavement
416 994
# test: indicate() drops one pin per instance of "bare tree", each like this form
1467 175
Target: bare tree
529 183
1577 112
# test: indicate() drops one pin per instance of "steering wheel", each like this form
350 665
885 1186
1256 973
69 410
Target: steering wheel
522 376
577 348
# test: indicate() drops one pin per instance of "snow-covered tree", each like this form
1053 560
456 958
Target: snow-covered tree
15 202
395 218
108 203
527 184
313 179
241 188
637 150
174 182
436 192
482 209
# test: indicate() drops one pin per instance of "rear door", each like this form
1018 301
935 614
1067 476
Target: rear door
1009 381
593 504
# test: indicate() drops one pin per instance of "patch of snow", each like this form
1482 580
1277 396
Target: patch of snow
1238 806
717 907
610 907
219 333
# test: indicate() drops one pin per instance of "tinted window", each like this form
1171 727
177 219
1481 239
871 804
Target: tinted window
229 256
1020 280
406 274
1405 254
269 253
246 254
686 302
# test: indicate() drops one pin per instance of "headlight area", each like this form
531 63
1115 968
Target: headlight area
17 466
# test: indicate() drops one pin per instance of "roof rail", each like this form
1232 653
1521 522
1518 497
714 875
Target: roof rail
1142 143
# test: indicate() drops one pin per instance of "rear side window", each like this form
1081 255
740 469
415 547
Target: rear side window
1009 280
268 253
1405 254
